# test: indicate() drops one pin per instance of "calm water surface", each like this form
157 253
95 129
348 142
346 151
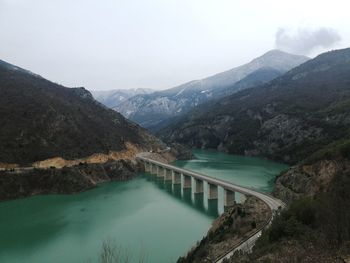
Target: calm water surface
143 216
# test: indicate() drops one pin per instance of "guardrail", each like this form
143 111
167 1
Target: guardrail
273 203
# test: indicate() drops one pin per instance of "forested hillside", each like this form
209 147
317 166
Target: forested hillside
287 119
41 119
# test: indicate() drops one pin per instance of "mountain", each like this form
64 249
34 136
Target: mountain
150 110
302 118
112 98
5 65
288 119
41 120
258 77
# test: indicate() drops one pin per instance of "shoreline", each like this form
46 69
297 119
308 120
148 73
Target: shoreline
93 175
67 180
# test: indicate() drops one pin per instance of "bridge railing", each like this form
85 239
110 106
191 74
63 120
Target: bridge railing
219 182
230 186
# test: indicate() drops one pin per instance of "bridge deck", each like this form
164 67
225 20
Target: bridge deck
272 202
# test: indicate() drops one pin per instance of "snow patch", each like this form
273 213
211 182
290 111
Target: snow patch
180 92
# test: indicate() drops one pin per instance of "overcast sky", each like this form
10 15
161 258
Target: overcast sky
109 44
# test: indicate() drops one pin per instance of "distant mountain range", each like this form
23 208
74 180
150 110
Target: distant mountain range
112 98
302 114
41 119
155 109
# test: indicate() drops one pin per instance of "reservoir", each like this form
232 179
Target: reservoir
142 218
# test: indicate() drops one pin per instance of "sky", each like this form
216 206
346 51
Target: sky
159 44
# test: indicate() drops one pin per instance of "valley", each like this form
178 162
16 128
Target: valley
154 110
248 165
136 214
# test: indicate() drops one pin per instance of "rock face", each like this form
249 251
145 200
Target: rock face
42 120
154 110
228 230
287 119
308 179
63 181
58 162
112 98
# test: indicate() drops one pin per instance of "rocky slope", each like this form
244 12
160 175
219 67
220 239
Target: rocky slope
151 110
303 115
239 222
42 120
68 180
308 179
315 228
112 98
286 119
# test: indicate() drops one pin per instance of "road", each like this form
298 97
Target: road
273 203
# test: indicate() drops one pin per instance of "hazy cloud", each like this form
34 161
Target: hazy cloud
305 40
157 44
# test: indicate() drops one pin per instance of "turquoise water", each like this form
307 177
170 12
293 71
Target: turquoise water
252 172
143 216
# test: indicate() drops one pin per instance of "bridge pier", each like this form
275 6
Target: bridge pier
176 178
168 175
212 191
147 167
230 195
199 186
161 171
187 181
229 198
154 169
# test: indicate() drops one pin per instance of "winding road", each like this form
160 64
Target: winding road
273 203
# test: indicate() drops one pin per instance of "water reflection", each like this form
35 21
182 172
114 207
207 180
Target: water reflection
198 201
213 207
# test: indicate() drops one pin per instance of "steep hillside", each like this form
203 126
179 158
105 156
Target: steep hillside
112 98
287 119
152 109
313 229
302 117
41 119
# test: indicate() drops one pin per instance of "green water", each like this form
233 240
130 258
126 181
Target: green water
252 172
143 216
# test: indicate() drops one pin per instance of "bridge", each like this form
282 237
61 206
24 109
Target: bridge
184 177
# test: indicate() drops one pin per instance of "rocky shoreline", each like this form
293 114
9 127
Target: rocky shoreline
228 230
300 181
53 178
68 180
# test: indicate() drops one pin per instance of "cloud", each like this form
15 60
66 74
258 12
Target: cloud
305 40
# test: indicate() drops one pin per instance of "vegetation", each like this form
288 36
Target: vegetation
337 149
67 180
287 119
310 227
228 230
113 253
301 118
41 119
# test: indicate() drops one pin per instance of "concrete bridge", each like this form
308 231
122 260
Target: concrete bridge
180 176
